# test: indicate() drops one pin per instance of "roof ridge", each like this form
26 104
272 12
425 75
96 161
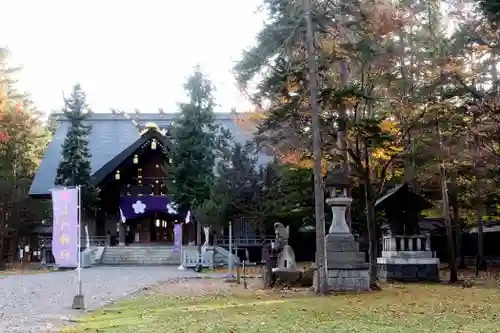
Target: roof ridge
145 116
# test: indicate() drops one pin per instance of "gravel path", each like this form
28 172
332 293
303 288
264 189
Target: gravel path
42 302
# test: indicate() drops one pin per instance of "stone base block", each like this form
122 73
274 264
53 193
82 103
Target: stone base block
341 243
343 257
287 275
347 279
425 269
408 254
78 302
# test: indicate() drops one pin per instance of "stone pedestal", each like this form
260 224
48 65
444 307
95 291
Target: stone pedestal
346 266
407 258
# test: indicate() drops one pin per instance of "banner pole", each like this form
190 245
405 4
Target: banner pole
79 241
78 301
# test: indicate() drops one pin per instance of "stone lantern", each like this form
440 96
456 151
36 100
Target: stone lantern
346 266
337 183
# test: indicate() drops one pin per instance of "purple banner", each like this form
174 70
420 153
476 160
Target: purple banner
177 237
65 227
133 207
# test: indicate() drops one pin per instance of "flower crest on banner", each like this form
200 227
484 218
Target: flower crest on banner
139 207
171 208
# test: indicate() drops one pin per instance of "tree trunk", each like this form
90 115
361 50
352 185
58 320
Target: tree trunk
372 236
319 204
2 238
480 263
446 205
2 263
456 219
449 232
458 236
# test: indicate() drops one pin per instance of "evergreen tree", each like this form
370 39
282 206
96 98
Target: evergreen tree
196 139
75 168
23 139
237 185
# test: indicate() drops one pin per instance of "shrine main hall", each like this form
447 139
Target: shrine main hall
130 161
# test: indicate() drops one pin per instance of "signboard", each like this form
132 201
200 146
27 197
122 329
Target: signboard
177 237
65 227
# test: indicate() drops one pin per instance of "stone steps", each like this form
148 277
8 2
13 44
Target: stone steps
140 255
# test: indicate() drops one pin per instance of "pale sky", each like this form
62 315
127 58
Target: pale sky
127 54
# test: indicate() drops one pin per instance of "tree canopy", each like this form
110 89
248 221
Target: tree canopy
75 168
23 138
197 144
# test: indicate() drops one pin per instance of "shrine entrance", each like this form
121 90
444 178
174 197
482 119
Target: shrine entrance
148 220
155 228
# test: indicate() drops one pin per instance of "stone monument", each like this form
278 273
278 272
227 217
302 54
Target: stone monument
346 266
286 256
280 259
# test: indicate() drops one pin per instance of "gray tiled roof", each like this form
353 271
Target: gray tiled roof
111 134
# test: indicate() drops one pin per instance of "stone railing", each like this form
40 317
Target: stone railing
391 243
407 258
190 257
95 241
242 241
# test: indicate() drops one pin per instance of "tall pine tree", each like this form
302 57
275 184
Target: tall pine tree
75 168
195 138
23 139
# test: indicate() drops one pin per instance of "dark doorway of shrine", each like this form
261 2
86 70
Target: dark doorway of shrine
154 228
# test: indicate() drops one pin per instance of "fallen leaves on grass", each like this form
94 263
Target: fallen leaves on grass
488 279
215 306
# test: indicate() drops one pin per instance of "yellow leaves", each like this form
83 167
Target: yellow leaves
380 153
305 162
386 153
350 101
389 126
248 121
308 163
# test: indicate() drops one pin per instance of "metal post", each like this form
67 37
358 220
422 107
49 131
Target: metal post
79 231
230 257
78 301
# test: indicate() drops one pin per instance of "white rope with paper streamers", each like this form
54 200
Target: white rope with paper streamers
141 128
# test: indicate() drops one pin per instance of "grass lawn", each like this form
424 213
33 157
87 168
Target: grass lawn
17 269
398 308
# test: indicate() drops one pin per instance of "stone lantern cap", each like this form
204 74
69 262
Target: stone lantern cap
337 178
